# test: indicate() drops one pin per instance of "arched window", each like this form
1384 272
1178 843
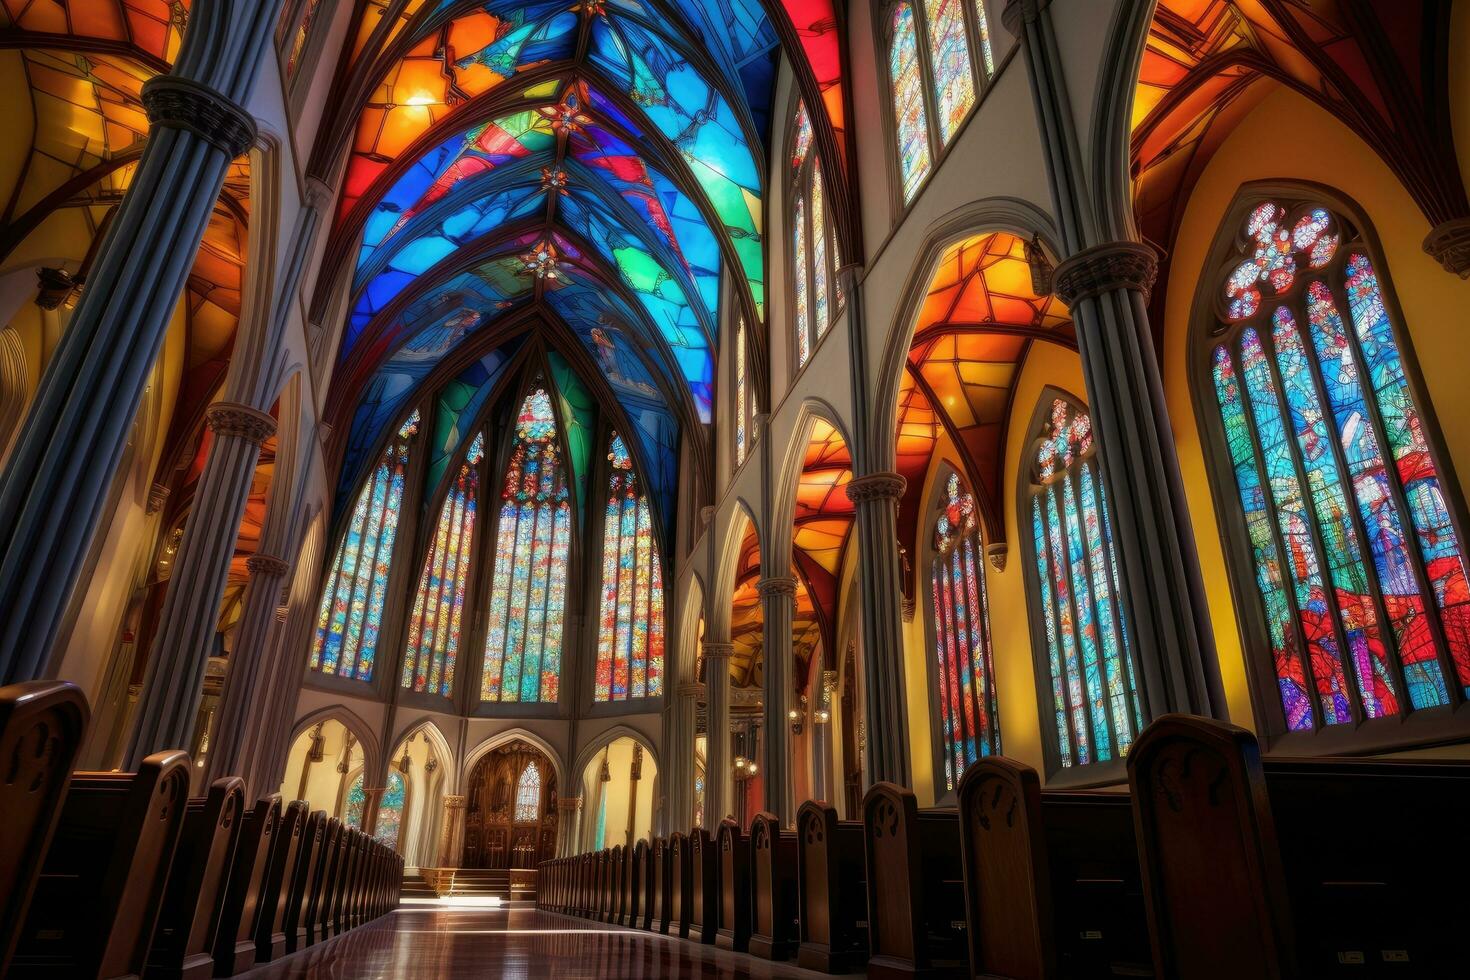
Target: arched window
532 546
355 802
1356 563
390 810
742 396
814 250
351 610
438 606
963 667
293 35
935 77
630 643
1094 690
528 795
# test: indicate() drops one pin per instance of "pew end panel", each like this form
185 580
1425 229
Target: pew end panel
774 930
734 849
681 879
832 887
704 909
234 946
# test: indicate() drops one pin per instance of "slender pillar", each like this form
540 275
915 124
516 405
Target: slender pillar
1106 283
372 799
875 501
717 732
451 836
172 684
681 749
778 595
569 826
93 384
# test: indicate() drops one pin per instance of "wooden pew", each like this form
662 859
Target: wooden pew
915 892
680 880
304 876
41 728
704 887
833 886
332 924
658 921
647 887
183 942
612 907
604 871
734 849
319 903
270 931
776 902
342 917
234 944
102 882
632 879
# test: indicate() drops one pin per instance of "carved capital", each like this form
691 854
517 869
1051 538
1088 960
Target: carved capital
1449 244
690 690
1017 13
233 419
718 651
1106 268
569 803
996 553
262 564
907 608
157 496
182 103
776 585
454 802
876 486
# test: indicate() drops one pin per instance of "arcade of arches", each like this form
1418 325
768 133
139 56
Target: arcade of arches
524 426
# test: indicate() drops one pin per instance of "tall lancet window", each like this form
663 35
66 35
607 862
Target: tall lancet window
742 396
532 547
438 607
939 60
962 654
351 610
528 795
630 644
1093 679
813 252
1354 557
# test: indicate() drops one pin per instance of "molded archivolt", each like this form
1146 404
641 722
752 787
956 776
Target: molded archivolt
505 738
350 720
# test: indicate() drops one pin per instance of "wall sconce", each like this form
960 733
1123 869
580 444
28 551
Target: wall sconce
794 716
745 768
822 716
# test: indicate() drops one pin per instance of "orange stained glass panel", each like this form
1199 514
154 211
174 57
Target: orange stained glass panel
154 27
986 279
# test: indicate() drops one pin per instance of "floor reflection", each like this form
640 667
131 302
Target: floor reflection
514 943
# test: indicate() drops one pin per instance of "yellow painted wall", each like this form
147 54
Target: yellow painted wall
617 793
1306 144
325 786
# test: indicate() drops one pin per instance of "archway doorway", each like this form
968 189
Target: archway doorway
511 814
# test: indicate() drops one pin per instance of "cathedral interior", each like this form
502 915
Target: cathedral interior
541 487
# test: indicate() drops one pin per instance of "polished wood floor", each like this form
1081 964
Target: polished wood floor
515 943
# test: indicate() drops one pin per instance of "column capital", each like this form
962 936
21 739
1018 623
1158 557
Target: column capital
569 803
1105 268
158 494
776 585
267 565
996 553
234 419
187 104
1018 12
454 802
718 651
690 689
1449 244
876 486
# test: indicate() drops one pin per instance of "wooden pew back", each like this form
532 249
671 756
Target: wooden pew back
775 900
304 877
234 945
704 887
734 848
833 889
41 727
102 882
270 935
677 922
659 920
617 874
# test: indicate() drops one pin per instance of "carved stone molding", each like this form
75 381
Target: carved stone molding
997 552
1016 13
157 496
876 486
182 103
233 419
782 585
1106 268
746 697
262 564
907 608
717 651
454 802
690 690
1449 244
569 803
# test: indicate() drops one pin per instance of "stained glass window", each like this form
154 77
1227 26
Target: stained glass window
962 651
528 795
390 810
438 606
532 546
356 800
742 396
630 639
1094 689
1358 566
814 249
300 36
351 610
935 77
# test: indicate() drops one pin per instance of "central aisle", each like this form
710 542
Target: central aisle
515 943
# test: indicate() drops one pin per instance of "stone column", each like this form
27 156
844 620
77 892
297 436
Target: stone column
681 750
717 732
568 826
778 595
371 800
90 392
1105 283
451 837
190 613
875 501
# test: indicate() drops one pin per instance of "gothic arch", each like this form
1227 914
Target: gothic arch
429 728
372 754
505 738
728 560
606 737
